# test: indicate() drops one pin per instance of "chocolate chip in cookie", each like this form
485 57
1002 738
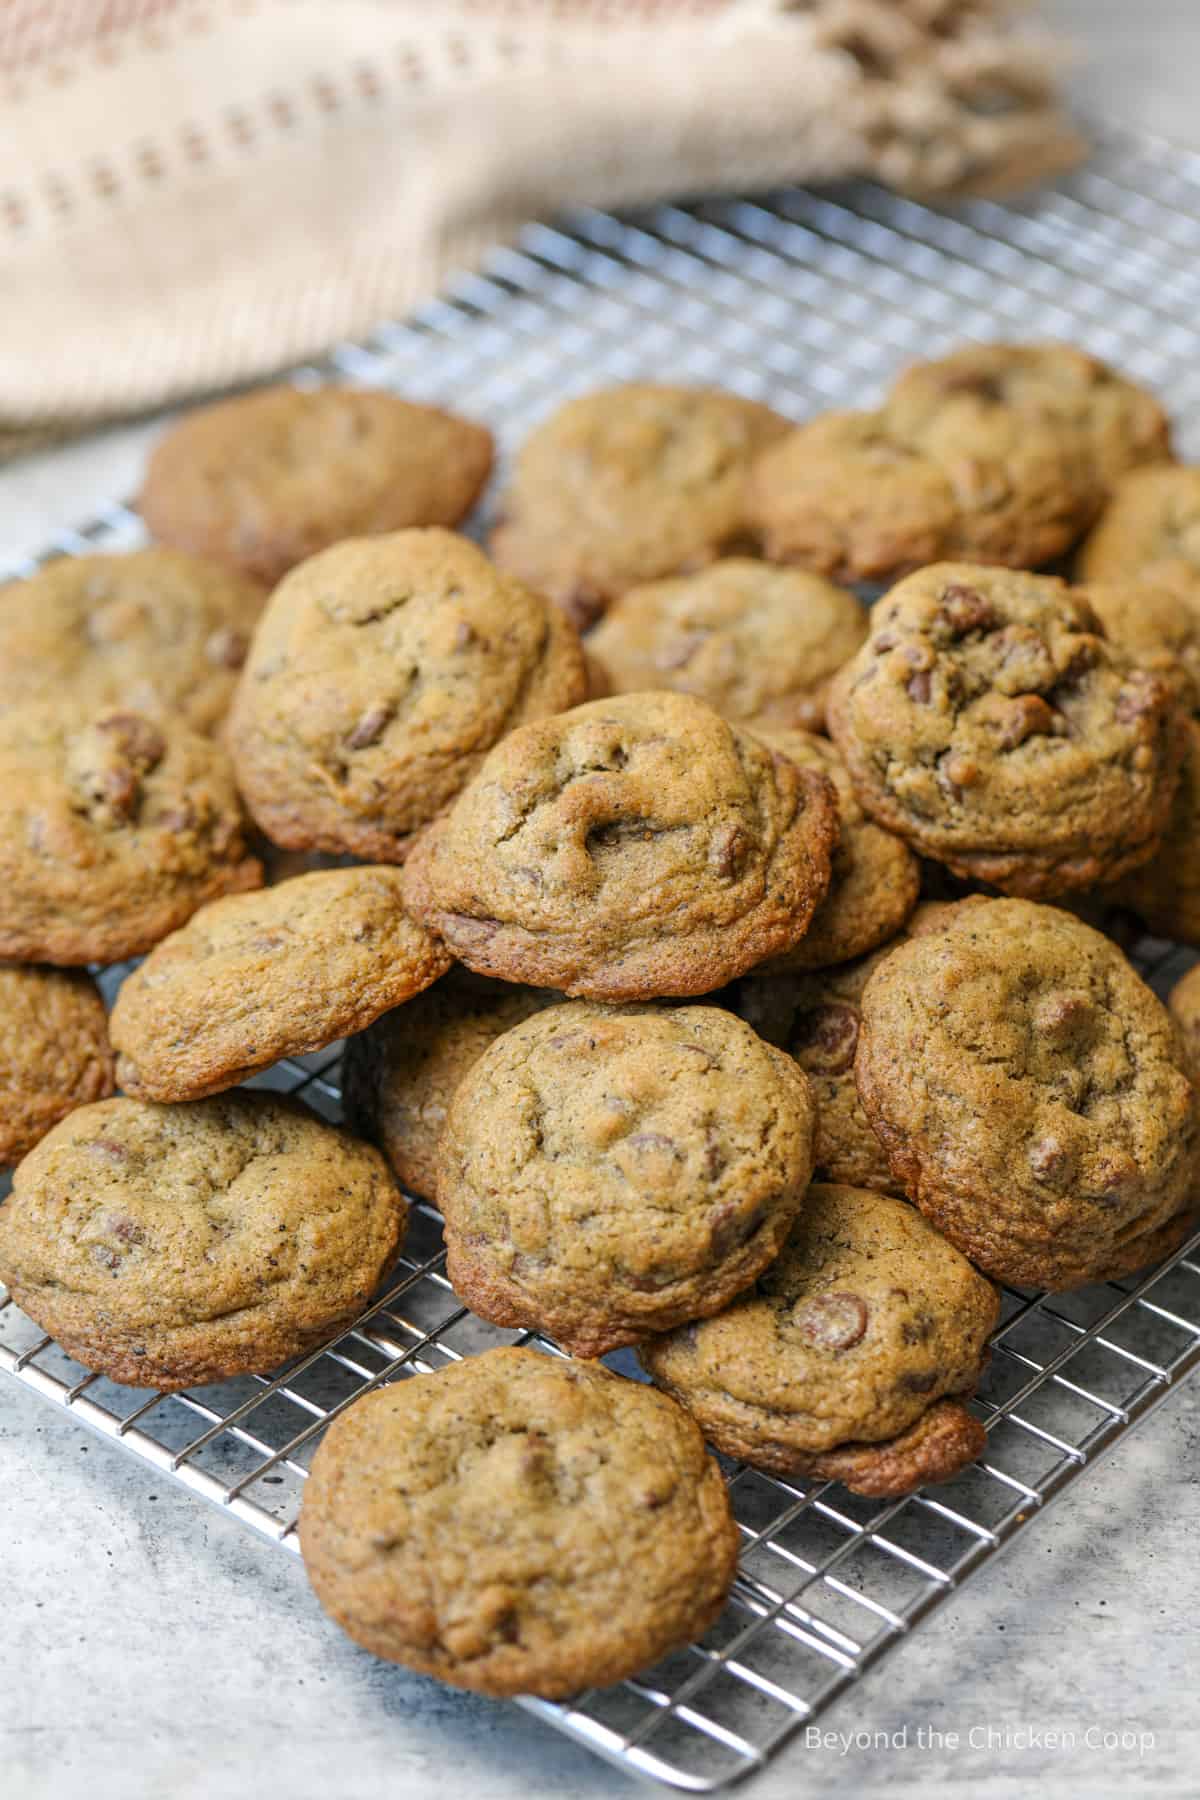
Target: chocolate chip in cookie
851 1358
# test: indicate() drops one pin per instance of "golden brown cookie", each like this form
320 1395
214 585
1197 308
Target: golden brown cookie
605 1173
381 675
634 847
1149 532
851 1358
154 632
266 479
1183 1002
400 1075
166 1246
1165 892
54 1052
1158 628
518 1524
1029 1092
256 977
628 484
814 1016
988 721
1121 425
113 830
999 453
876 878
758 643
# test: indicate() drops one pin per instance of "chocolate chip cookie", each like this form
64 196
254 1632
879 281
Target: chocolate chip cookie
634 847
166 1246
1158 628
999 453
1028 1090
266 479
400 1075
851 1358
608 1173
815 1017
989 721
1165 892
876 878
256 977
153 632
381 675
114 828
518 1524
1150 532
1120 424
54 1052
627 484
1183 1002
758 643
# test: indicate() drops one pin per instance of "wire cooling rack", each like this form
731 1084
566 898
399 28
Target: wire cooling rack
806 300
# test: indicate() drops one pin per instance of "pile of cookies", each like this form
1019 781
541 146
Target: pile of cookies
745 980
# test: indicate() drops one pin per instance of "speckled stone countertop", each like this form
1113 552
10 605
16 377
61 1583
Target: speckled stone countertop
150 1648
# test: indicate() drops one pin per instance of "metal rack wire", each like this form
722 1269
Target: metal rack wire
809 301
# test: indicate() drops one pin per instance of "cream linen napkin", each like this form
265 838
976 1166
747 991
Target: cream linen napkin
196 192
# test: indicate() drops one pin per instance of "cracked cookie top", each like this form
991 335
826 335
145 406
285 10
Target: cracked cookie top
151 631
758 643
989 721
1029 1092
518 1524
266 479
170 1245
608 1173
628 484
634 847
999 453
280 972
382 673
863 1323
114 828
